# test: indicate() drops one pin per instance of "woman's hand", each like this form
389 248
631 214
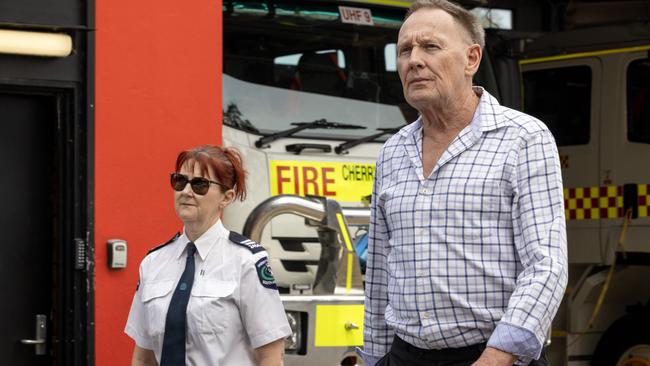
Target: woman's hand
270 354
143 357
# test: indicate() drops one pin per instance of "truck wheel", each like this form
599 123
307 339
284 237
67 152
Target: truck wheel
625 343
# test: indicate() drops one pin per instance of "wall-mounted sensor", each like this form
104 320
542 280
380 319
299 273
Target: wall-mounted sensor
116 253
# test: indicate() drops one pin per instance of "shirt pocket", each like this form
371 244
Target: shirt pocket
473 208
155 298
480 195
212 306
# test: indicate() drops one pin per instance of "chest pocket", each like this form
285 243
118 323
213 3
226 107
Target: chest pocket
156 297
474 207
212 306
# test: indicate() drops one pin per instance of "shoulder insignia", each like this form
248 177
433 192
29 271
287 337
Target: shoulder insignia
245 242
264 273
166 243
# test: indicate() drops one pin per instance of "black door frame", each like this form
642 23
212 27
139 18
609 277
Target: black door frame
73 341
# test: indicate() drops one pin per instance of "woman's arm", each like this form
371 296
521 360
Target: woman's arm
143 357
270 354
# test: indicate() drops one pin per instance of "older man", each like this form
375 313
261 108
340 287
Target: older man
467 253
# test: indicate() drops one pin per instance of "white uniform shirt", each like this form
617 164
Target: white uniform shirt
233 307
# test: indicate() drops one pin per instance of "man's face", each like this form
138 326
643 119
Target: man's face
433 54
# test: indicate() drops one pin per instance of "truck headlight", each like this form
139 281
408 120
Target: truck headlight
293 343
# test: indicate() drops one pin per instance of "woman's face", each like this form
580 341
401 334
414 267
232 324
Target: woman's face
202 210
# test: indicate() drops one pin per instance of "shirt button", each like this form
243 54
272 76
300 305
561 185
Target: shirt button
419 273
425 315
424 190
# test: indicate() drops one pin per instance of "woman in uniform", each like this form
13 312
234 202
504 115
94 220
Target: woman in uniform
207 296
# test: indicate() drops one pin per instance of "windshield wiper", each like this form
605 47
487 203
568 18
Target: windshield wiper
344 147
263 142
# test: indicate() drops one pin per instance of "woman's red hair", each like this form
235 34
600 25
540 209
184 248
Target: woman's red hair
225 162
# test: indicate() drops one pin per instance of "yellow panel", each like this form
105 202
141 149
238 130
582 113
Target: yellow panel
595 191
346 182
566 193
580 192
619 201
580 214
331 323
586 203
643 189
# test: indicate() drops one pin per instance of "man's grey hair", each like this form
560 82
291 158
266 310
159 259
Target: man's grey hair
466 19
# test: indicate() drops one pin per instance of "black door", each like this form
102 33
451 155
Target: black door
29 225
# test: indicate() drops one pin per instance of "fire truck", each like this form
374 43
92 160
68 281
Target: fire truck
296 123
310 93
591 86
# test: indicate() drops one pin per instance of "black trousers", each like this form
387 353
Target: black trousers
403 354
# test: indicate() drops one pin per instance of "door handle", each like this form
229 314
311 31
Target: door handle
298 148
41 334
350 326
32 341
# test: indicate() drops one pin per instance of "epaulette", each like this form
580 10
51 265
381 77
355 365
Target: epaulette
245 242
166 243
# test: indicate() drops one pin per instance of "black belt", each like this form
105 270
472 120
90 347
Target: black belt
462 353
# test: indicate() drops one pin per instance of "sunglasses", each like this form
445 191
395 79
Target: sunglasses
199 185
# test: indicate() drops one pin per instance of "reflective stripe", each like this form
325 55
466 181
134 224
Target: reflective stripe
344 232
397 3
593 202
644 200
586 203
583 55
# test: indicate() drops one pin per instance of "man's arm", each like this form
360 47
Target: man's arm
377 335
495 357
540 239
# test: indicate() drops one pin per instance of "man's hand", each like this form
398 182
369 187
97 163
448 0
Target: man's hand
494 357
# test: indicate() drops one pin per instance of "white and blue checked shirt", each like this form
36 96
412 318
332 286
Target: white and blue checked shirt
475 252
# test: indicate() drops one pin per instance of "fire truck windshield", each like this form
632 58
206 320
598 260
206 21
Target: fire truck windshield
304 61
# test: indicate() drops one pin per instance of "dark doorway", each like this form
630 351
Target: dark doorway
30 222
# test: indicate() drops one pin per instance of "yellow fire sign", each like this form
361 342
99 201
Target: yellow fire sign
344 182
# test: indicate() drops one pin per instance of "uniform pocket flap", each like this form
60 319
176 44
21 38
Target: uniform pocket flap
153 290
213 288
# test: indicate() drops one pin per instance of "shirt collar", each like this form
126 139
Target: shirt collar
205 242
484 119
489 111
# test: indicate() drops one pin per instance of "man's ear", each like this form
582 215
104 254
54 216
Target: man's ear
474 55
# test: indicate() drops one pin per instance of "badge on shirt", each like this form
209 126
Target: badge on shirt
264 273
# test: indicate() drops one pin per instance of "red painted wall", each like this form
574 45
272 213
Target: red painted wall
158 91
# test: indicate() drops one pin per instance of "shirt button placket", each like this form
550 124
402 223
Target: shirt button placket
423 288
